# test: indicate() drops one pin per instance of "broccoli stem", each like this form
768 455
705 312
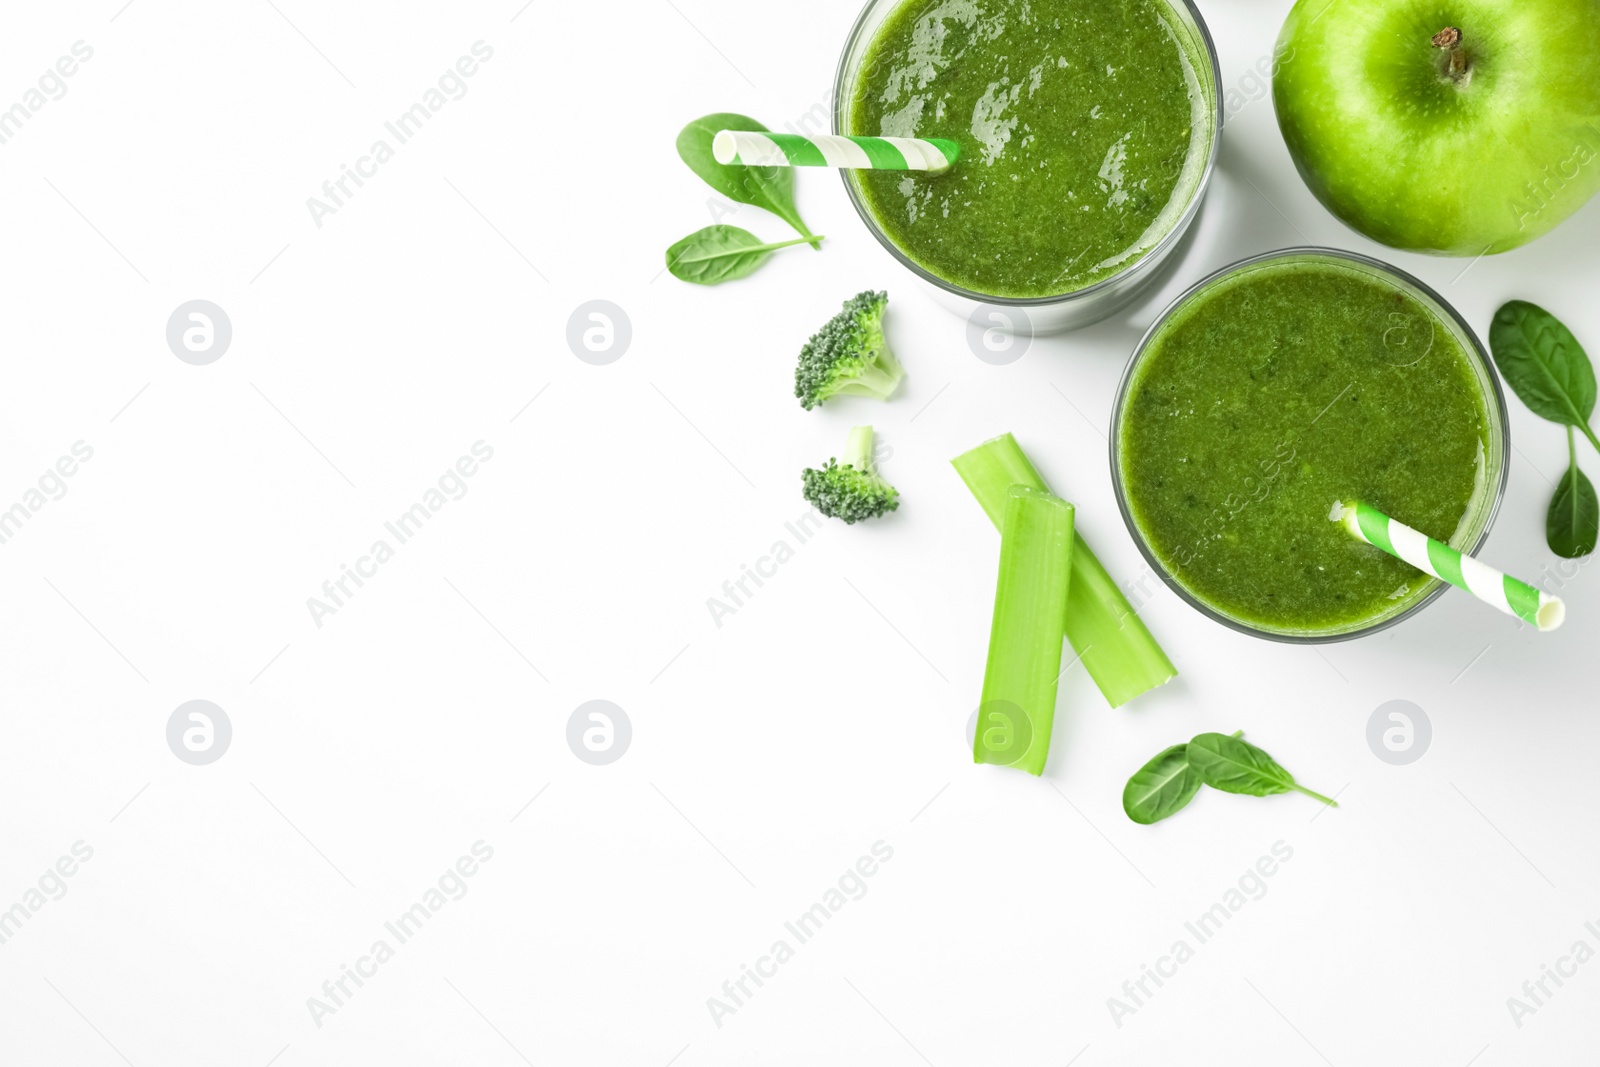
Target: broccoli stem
858 449
875 382
1030 605
1111 640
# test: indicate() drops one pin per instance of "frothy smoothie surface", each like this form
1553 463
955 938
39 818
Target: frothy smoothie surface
1274 392
1084 133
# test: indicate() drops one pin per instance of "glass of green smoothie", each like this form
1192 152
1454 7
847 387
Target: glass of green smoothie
1272 389
1088 131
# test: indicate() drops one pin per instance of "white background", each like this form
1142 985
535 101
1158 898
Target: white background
767 754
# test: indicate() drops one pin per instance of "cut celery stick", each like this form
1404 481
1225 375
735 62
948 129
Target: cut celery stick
1109 638
1030 605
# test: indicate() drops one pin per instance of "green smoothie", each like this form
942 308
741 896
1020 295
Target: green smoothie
1084 129
1278 389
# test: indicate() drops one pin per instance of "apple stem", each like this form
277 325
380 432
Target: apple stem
1449 40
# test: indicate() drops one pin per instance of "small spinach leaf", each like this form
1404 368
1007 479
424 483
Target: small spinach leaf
1572 525
771 188
1236 766
720 254
1161 787
1544 365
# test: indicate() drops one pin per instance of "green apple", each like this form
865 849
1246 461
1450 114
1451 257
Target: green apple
1456 127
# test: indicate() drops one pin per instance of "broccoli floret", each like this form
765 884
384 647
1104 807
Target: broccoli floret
851 490
849 355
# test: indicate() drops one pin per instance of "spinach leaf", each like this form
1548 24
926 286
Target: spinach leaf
1544 365
1236 766
764 187
720 254
1572 525
1161 787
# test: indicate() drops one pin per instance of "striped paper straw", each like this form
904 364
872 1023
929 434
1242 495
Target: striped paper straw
1367 523
752 149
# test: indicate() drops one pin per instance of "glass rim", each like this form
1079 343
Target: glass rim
1495 405
1152 257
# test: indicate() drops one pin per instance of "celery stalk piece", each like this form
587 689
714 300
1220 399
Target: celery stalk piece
1030 606
1110 639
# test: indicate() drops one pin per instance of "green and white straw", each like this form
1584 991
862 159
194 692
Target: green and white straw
750 149
1367 523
